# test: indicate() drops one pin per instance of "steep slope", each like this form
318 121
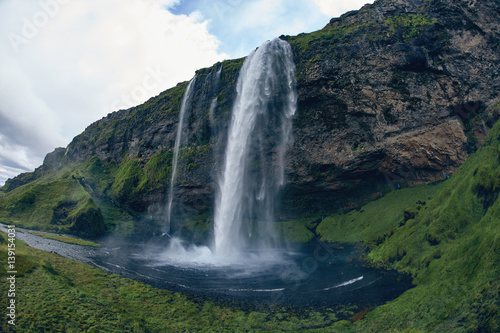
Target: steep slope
399 92
448 240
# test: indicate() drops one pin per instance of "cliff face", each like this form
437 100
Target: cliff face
388 94
398 92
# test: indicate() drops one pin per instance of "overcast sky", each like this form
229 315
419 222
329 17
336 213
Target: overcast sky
67 63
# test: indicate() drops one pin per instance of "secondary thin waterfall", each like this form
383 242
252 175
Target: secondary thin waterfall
213 104
211 111
259 133
184 105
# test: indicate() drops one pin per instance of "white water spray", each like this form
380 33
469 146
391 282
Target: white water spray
178 137
258 136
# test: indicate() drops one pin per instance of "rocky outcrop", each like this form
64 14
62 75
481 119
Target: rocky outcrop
399 91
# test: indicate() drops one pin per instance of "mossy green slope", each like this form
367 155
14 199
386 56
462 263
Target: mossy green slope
57 202
372 222
60 201
450 244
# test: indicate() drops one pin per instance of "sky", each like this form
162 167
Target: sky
67 63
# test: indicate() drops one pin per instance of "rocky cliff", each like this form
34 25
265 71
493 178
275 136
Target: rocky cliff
399 92
394 93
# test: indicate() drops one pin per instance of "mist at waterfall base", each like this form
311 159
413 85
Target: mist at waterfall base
316 274
246 259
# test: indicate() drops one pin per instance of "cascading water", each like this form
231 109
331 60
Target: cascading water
213 104
254 160
178 137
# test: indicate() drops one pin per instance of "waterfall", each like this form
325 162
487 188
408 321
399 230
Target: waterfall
211 112
184 105
213 105
258 136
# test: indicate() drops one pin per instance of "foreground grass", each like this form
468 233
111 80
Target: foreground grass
63 201
65 239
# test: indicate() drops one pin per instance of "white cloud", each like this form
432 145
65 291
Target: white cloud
65 64
335 8
243 25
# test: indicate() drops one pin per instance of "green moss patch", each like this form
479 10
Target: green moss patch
373 221
60 205
296 231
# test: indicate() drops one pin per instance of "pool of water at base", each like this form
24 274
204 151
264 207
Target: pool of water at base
314 275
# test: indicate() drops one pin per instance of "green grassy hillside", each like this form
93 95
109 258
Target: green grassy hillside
450 244
57 202
372 222
67 200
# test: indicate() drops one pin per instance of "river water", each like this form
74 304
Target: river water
317 275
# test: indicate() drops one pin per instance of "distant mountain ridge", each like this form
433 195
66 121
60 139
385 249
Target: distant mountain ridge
399 92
